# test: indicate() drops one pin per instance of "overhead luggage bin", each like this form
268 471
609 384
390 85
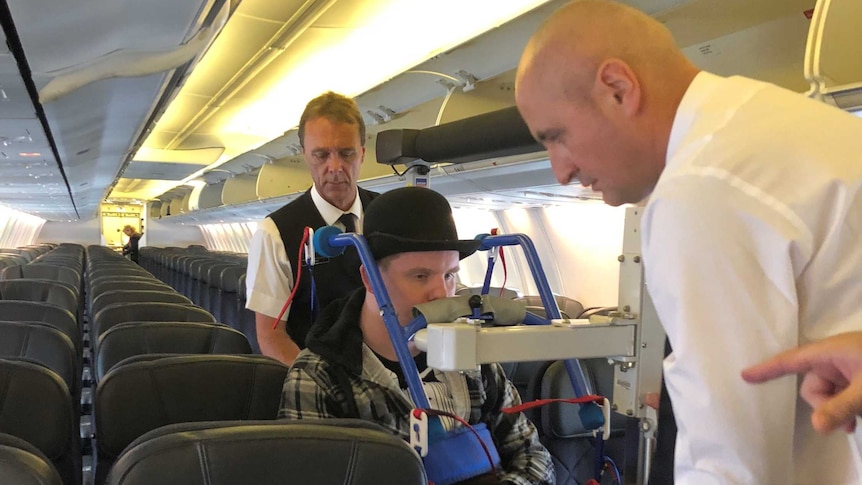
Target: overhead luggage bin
832 54
211 195
239 189
283 177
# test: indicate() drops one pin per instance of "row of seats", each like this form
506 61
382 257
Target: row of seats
162 360
213 280
41 361
127 361
355 453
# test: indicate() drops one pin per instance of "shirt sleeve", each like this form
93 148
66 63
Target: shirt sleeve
721 261
307 392
268 276
525 460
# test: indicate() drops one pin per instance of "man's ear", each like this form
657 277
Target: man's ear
365 281
617 82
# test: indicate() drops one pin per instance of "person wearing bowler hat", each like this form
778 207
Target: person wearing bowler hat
412 236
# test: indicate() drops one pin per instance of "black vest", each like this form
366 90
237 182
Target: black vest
333 277
662 465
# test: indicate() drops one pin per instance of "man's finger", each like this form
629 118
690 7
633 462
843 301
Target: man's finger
792 361
839 411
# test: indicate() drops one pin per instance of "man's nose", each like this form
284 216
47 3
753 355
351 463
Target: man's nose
438 289
335 163
564 170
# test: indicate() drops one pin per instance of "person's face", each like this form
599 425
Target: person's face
334 153
420 277
127 231
588 139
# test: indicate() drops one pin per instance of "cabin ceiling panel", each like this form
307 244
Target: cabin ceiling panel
698 21
175 119
93 122
94 127
23 135
243 36
14 100
160 170
772 52
280 11
132 188
88 29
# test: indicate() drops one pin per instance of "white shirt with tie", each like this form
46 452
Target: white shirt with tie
269 277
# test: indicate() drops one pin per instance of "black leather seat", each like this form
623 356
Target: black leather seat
140 395
44 344
117 313
213 294
36 406
113 284
245 317
43 272
135 338
129 296
29 311
28 289
560 428
23 464
496 291
324 452
572 308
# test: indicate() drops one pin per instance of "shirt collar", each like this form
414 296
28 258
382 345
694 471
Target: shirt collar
698 91
330 213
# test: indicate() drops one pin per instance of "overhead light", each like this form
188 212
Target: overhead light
367 56
29 154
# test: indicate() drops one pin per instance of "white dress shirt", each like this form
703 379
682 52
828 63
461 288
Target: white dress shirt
752 242
269 277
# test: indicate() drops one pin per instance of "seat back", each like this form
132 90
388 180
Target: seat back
23 464
29 311
42 272
118 313
36 406
44 344
354 453
27 289
137 397
571 307
128 296
135 338
560 427
495 291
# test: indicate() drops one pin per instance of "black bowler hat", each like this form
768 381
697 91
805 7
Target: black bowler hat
412 219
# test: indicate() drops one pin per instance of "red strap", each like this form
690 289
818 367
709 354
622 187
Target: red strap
541 402
495 231
505 272
299 261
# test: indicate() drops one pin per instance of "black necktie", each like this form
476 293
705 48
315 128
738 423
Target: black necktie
347 220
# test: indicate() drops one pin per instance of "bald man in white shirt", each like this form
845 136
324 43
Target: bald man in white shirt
751 229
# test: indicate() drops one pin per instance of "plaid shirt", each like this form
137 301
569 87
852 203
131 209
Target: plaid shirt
336 358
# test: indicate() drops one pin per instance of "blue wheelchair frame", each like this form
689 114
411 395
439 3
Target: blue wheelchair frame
401 335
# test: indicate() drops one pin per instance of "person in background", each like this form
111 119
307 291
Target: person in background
751 230
130 249
332 136
350 369
832 383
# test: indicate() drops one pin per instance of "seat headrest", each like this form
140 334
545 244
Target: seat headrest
354 453
184 388
23 464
